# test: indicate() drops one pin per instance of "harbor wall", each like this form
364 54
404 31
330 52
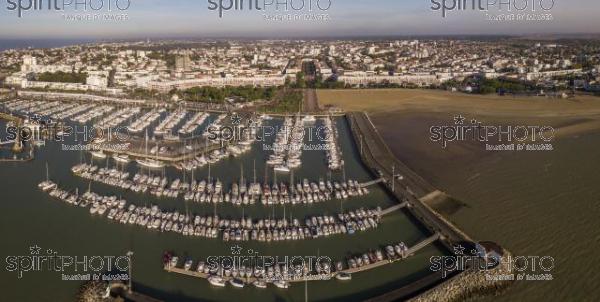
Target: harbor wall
413 190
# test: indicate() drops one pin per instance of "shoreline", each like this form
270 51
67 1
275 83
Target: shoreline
469 281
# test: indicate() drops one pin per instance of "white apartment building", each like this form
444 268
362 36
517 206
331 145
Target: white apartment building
165 86
365 79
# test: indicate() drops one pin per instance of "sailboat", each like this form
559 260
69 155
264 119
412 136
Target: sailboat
98 154
148 162
122 158
47 184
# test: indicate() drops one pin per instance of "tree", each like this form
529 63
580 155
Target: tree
300 81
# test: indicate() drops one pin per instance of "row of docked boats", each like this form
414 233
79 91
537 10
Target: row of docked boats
145 120
56 111
260 276
244 229
232 150
118 117
288 145
204 191
35 107
194 123
166 126
72 110
93 113
214 127
334 153
389 253
28 105
281 274
80 113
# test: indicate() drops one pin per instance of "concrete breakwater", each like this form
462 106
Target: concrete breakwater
414 190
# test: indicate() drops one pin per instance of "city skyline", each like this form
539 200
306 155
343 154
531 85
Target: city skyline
184 18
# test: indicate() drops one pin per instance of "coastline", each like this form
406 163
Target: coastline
463 284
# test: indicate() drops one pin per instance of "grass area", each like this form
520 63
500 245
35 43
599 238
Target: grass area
389 100
63 77
287 101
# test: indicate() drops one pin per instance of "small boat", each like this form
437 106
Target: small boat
47 185
281 284
171 137
151 163
309 119
173 262
216 281
122 158
260 284
98 154
188 264
237 283
343 276
282 168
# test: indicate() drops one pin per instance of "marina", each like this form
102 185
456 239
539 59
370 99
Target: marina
185 197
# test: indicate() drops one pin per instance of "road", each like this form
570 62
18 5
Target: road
311 101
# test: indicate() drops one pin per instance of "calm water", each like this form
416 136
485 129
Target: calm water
533 203
39 43
30 217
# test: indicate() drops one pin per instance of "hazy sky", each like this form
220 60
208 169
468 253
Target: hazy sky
192 18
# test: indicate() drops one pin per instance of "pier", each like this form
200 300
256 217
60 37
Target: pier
411 251
394 208
372 182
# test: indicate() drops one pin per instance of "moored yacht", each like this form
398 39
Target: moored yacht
151 163
98 154
309 119
237 283
122 158
46 185
260 284
281 284
343 276
216 281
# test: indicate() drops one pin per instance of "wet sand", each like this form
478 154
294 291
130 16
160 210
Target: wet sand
543 203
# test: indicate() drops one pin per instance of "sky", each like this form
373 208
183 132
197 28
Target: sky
192 18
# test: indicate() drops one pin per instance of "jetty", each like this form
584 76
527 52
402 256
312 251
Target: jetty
168 267
372 182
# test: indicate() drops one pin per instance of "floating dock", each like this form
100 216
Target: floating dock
411 251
